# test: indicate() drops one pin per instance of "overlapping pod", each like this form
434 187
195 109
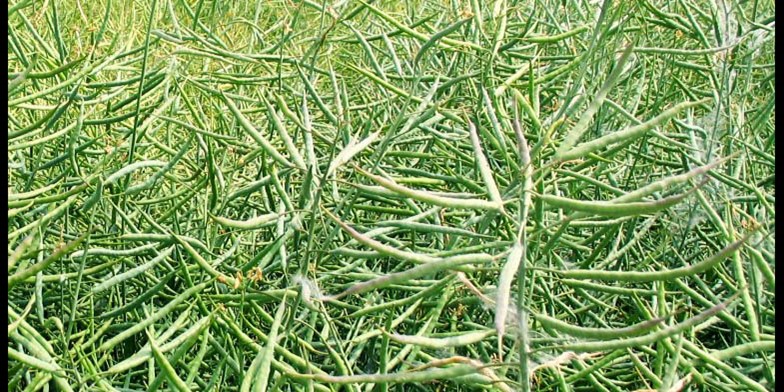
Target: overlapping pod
20 276
419 271
148 183
256 135
625 342
204 264
613 209
430 198
40 356
407 377
462 339
162 312
250 224
266 354
103 285
437 36
284 134
32 194
428 264
504 288
597 333
349 151
137 251
166 366
627 134
577 131
655 276
131 168
145 353
484 167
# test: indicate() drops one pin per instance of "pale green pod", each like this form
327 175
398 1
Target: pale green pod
131 168
463 339
484 166
250 224
504 288
612 209
428 197
162 312
132 272
256 135
349 151
653 276
627 134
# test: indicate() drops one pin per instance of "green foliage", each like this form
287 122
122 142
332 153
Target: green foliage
372 195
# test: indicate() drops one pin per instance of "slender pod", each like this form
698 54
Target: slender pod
463 339
413 273
162 312
577 131
504 288
255 134
428 197
655 276
613 209
404 255
628 134
267 353
281 128
350 150
484 166
615 344
166 366
406 377
597 333
20 276
132 272
250 224
131 168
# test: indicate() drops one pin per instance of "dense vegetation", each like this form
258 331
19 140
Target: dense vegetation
363 195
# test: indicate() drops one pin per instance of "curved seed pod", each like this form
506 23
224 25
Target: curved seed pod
407 377
284 134
611 209
131 168
33 361
166 366
268 352
574 134
131 272
31 194
437 36
405 255
12 212
504 288
413 273
428 197
205 265
654 276
353 148
145 353
139 250
162 312
20 276
627 134
147 184
462 339
484 166
250 224
615 344
258 137
94 197
598 333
